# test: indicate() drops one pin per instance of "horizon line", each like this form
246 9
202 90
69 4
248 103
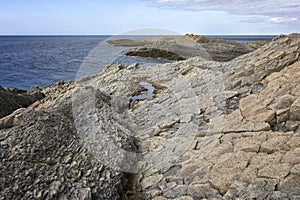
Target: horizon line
1 35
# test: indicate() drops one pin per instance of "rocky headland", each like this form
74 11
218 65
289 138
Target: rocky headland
187 46
211 130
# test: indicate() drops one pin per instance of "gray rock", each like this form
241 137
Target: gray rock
48 160
215 130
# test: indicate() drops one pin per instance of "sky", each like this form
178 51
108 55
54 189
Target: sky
114 17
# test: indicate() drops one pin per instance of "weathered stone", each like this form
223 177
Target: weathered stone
275 143
282 115
276 195
247 144
282 103
291 186
235 190
292 125
151 180
202 191
228 169
259 189
249 174
292 156
278 171
178 191
295 110
261 160
220 150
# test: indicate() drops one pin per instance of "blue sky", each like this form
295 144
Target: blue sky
119 16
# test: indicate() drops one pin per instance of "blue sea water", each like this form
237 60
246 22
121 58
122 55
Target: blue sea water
27 61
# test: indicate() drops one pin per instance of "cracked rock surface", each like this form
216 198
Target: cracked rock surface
214 130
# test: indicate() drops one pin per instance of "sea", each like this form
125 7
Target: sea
27 61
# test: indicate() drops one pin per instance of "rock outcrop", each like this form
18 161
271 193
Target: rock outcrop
198 38
42 156
13 99
214 130
154 53
188 46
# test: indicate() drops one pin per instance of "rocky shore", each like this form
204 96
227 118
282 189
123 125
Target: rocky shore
213 130
187 46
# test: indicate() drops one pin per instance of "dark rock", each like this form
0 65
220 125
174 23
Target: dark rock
154 53
12 99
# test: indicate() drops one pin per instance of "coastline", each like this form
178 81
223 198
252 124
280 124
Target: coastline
234 125
39 61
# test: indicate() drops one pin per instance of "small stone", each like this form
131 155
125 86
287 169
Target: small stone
275 143
154 192
247 144
276 171
282 115
178 191
235 190
292 125
67 159
229 167
292 156
202 191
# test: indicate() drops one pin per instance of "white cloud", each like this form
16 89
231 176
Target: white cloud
174 1
282 19
277 11
170 1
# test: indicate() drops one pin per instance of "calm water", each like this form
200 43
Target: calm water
27 61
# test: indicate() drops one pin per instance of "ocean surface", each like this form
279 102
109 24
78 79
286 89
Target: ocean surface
27 61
